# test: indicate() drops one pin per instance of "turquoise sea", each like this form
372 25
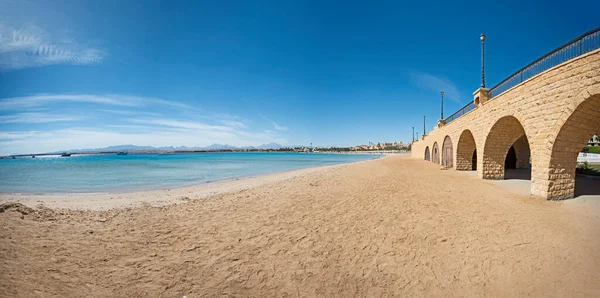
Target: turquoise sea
104 173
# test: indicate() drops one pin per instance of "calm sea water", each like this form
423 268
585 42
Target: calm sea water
102 173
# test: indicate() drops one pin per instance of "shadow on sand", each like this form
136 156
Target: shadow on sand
587 185
517 174
584 185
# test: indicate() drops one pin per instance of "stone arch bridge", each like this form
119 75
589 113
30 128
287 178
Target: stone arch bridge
539 117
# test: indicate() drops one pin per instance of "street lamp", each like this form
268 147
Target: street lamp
442 93
482 38
413 134
424 124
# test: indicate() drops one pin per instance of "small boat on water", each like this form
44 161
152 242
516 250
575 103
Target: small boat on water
122 153
65 154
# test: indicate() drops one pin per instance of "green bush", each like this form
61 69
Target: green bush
587 169
584 166
591 149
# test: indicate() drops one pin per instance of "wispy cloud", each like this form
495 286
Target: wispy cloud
30 46
34 101
233 123
104 120
279 127
36 118
430 82
18 135
80 138
129 113
275 125
183 124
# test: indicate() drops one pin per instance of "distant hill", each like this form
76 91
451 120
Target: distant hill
270 146
130 147
217 146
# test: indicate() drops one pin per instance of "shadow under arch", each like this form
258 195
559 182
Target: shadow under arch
562 181
502 137
427 153
466 152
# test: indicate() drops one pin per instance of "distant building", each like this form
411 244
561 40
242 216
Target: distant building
381 146
594 141
402 145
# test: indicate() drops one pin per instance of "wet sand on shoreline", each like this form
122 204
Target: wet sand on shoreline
158 197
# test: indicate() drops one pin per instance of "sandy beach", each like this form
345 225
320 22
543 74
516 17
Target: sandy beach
386 227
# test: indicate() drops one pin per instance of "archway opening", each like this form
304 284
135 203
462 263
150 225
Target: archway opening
510 162
587 177
517 162
427 153
435 158
447 153
572 172
506 151
466 152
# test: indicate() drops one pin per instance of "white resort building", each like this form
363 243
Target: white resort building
594 141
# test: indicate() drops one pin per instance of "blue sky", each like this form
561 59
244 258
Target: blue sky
87 74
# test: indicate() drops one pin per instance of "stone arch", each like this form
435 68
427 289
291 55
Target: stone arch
447 153
568 110
502 136
556 181
435 153
465 151
427 153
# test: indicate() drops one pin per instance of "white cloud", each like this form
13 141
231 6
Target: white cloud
80 138
17 40
129 113
146 101
30 46
36 118
138 124
25 102
183 124
34 101
275 125
18 135
233 123
279 127
437 84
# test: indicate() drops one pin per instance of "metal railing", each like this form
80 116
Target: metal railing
585 43
460 112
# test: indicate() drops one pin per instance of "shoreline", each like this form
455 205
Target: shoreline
124 199
392 226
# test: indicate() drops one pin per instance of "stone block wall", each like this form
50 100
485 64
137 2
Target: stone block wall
564 98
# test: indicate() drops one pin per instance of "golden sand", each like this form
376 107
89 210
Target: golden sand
392 226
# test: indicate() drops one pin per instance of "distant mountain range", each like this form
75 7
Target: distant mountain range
172 148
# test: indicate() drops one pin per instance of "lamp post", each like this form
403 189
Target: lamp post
482 38
442 93
413 134
424 124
